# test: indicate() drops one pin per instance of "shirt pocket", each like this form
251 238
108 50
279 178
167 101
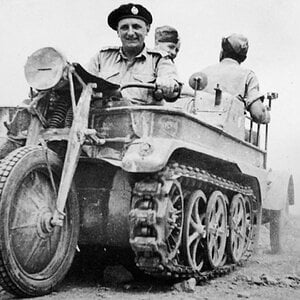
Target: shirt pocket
143 94
113 76
144 78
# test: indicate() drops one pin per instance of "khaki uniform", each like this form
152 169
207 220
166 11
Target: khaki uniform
111 64
233 79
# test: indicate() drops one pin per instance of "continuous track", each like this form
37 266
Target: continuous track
149 250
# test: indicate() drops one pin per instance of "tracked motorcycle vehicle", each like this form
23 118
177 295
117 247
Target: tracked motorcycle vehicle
178 184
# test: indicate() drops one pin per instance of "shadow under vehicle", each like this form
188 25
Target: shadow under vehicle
178 184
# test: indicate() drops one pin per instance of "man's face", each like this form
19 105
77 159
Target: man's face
169 47
132 33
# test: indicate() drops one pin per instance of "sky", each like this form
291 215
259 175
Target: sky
79 29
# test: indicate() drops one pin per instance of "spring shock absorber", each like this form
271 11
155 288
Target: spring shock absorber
58 116
69 118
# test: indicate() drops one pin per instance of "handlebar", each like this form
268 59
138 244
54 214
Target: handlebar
158 93
151 86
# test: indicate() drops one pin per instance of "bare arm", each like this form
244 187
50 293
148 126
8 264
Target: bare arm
254 104
167 79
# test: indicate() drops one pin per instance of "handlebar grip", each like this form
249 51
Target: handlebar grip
138 85
178 89
158 94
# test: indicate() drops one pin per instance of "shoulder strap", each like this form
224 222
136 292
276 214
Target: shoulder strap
110 48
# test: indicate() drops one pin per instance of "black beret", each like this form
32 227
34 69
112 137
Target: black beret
128 11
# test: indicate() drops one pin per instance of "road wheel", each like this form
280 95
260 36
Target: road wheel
34 256
249 225
237 227
216 228
194 232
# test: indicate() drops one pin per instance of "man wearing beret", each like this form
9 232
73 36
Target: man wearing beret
167 39
133 62
236 80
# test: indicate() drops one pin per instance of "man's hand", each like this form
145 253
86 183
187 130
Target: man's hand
170 87
267 117
259 112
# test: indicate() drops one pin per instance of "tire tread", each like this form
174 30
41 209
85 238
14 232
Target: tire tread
6 165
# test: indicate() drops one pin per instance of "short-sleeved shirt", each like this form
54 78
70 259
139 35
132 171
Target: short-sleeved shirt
233 79
111 64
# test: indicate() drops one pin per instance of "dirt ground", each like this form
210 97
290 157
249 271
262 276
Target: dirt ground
264 276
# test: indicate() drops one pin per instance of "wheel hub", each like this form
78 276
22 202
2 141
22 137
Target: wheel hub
44 227
201 230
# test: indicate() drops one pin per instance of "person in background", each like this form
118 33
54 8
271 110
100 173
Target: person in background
236 80
132 61
167 39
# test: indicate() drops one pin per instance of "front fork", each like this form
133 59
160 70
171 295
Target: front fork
76 139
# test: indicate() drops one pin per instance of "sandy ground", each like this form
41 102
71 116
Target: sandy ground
264 276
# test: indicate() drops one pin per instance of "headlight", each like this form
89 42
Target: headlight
44 68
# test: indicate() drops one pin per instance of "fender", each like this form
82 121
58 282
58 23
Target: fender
280 190
148 155
151 154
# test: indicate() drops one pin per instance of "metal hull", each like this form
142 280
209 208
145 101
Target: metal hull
104 179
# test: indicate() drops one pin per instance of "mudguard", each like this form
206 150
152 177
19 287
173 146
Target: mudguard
14 122
151 154
280 190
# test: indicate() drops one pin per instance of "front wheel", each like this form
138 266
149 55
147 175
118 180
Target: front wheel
34 256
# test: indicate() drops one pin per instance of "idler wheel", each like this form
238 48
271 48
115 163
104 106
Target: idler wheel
216 228
194 231
237 228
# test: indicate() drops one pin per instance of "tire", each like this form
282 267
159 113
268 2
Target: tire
278 222
276 234
34 256
8 146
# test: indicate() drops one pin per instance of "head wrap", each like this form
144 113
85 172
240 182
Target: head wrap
166 34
